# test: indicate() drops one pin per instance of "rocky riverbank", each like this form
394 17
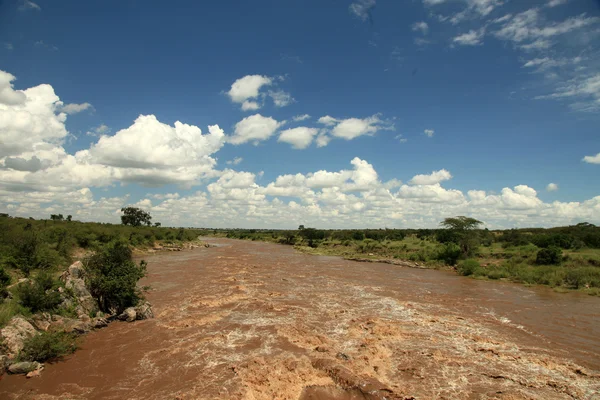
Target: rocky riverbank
77 314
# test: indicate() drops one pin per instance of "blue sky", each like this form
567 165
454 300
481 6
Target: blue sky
417 110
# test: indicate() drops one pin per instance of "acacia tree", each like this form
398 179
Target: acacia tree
464 230
135 216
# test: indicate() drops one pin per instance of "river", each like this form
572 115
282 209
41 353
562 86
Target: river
253 320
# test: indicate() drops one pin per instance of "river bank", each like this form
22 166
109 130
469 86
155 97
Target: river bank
252 320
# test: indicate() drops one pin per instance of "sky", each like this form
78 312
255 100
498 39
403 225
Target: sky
325 113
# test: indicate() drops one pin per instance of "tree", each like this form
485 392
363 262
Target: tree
112 276
56 217
463 229
69 218
135 216
157 224
301 227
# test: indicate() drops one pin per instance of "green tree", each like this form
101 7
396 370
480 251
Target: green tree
135 217
69 218
464 230
56 217
157 224
112 276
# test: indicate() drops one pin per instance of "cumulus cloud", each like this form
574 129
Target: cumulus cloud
352 128
29 5
592 159
254 128
247 88
362 8
429 132
421 26
471 38
9 96
434 178
552 187
281 98
302 117
235 161
98 131
300 137
73 108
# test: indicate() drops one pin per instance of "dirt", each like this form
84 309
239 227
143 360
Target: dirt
252 320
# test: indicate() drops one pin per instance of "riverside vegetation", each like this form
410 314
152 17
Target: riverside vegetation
46 300
565 258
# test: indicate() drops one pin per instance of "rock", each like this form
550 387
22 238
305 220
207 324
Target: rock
70 325
14 335
144 311
98 323
41 321
34 374
4 363
128 315
76 270
24 367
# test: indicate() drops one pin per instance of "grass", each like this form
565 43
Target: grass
48 346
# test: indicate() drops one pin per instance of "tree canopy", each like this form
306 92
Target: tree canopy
135 217
461 223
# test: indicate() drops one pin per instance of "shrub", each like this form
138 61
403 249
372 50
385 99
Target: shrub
450 254
41 294
469 267
48 346
112 277
549 256
583 277
4 282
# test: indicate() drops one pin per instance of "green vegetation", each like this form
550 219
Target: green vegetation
111 276
48 346
565 258
41 250
41 294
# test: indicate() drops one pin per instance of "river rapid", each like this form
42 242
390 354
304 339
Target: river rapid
253 320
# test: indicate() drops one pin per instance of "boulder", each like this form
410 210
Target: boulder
144 311
128 315
73 279
14 335
76 270
24 367
34 374
99 323
41 321
70 325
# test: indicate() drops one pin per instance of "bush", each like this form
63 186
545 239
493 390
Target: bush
469 267
41 294
583 277
112 277
48 346
450 254
4 282
549 256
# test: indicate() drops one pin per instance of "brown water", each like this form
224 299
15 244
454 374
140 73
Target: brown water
251 320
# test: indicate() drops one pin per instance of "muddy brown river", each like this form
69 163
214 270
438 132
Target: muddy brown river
252 320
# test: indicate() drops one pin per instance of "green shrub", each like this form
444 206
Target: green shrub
549 256
4 282
583 277
449 254
41 294
497 273
112 276
48 346
469 267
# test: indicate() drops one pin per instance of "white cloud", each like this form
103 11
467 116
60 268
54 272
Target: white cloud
73 108
247 88
299 138
250 105
552 187
235 161
471 38
429 132
592 159
9 96
8 46
328 120
254 128
362 8
302 117
100 130
281 98
421 26
555 3
434 178
29 5
352 128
